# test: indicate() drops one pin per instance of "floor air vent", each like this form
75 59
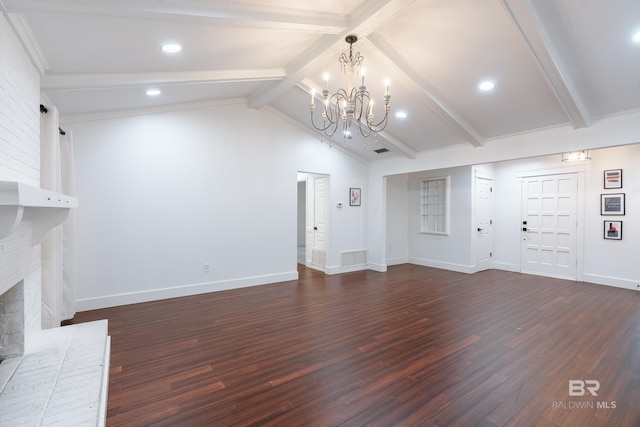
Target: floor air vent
354 258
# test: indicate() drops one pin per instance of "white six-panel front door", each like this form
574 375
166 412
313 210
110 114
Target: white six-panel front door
549 225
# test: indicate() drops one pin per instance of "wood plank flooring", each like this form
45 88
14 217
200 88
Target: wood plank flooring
415 346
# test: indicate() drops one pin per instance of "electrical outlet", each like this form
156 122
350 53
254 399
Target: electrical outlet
206 268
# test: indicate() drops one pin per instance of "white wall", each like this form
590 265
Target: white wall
405 243
20 161
611 261
19 112
608 262
453 251
507 198
397 217
162 194
607 132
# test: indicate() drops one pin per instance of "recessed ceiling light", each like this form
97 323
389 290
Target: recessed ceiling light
486 86
153 92
636 37
171 48
401 115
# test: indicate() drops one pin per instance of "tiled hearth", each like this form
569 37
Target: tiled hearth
62 381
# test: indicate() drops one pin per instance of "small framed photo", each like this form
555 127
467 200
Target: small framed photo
613 230
612 204
613 178
354 197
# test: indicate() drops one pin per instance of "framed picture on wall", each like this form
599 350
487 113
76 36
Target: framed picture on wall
612 204
613 178
613 230
354 197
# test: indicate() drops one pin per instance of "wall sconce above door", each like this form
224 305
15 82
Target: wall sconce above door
576 156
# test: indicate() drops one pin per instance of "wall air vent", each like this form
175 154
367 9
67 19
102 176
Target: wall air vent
381 150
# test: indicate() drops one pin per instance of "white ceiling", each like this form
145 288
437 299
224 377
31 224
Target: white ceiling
554 62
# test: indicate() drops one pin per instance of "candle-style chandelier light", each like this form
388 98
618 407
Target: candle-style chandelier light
351 107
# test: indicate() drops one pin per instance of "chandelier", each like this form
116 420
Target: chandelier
350 109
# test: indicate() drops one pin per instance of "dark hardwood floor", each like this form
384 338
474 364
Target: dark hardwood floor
415 346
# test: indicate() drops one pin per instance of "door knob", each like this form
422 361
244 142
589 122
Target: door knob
479 229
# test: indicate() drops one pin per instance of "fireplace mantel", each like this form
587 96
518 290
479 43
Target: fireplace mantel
22 202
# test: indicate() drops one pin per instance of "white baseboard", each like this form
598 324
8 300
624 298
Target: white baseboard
612 281
311 265
339 270
380 268
469 269
201 288
506 267
397 261
181 291
586 277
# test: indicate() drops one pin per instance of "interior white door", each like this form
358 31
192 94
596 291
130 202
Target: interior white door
320 214
484 223
549 225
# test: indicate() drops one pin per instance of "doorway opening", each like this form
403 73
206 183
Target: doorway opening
313 220
483 214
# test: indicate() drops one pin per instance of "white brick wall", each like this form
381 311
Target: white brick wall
20 161
19 111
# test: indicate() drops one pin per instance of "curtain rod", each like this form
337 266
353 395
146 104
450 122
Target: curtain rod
44 110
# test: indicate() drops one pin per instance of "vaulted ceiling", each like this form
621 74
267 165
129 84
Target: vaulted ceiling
553 63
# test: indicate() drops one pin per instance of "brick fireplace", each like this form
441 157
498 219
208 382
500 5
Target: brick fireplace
54 374
59 374
27 214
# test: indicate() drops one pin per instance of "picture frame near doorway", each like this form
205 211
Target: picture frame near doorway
354 197
612 230
612 204
612 179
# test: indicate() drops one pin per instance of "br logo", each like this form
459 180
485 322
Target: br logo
580 387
